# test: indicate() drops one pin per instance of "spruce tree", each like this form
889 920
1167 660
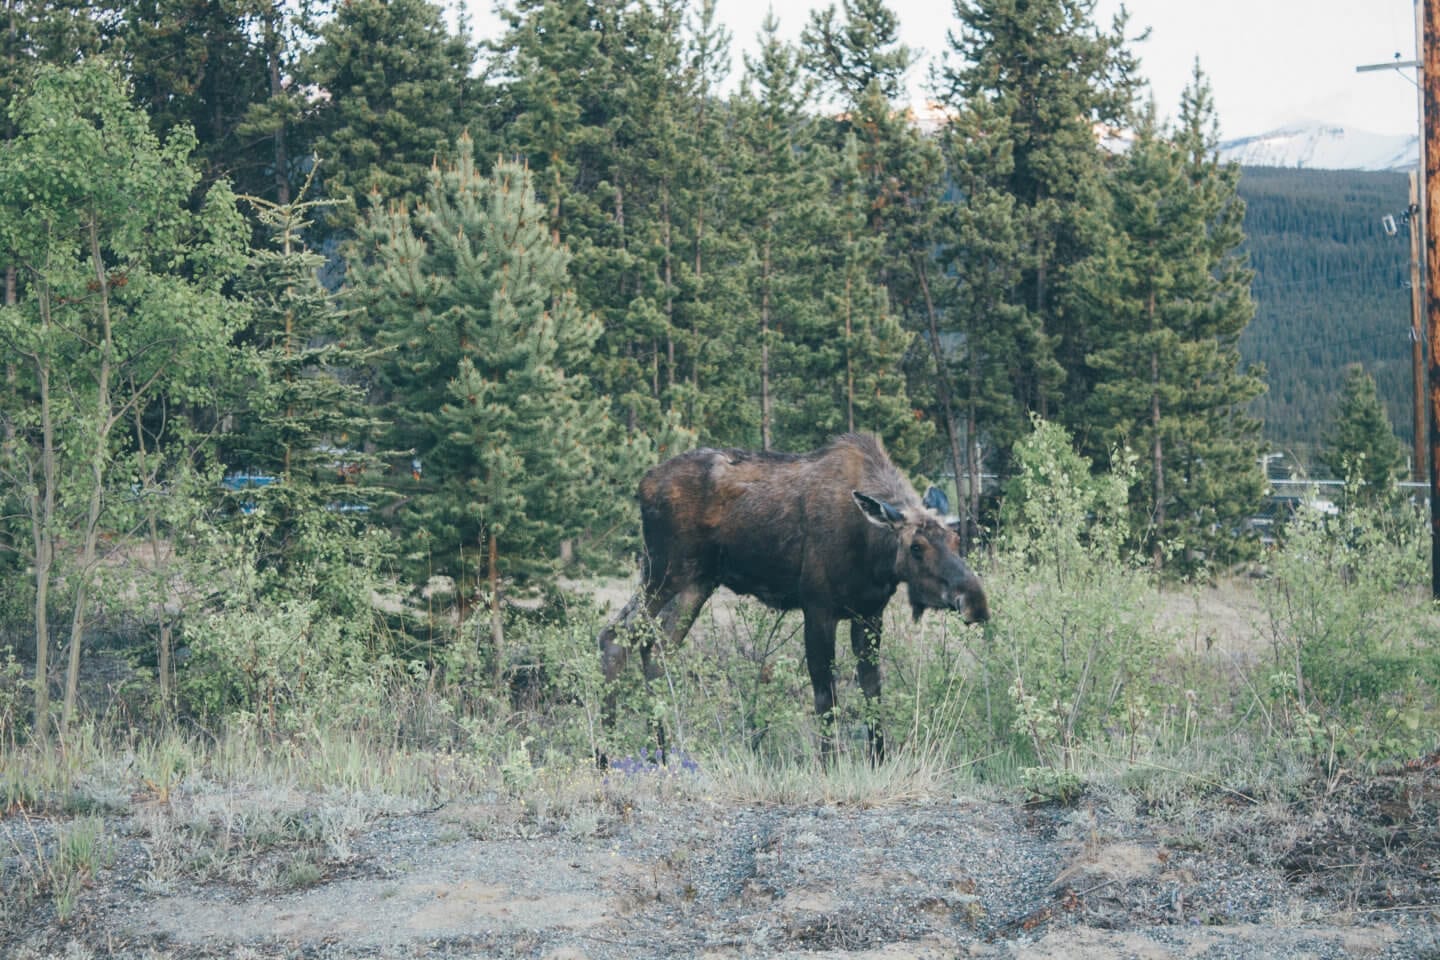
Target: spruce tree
392 91
1165 298
196 62
611 105
1053 76
1360 444
709 279
783 204
884 193
856 377
1220 438
302 419
982 249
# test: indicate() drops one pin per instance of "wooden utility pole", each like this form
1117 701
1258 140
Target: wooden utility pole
1430 141
1419 233
1417 331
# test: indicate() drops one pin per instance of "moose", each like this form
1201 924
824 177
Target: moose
832 533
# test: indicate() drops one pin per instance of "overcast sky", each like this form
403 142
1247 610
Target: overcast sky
1270 62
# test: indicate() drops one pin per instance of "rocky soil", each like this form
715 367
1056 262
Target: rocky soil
1350 870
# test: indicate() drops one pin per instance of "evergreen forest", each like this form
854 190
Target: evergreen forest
1331 289
336 342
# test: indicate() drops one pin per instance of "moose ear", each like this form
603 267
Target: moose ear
877 512
936 500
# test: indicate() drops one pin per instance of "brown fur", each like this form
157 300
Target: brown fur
832 533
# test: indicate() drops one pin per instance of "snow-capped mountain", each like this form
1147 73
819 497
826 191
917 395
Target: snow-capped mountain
1319 146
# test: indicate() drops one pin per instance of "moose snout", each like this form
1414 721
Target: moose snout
969 600
973 607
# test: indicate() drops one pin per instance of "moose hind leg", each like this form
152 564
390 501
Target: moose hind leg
674 622
865 642
615 641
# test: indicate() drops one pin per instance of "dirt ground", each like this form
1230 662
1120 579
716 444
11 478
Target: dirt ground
1351 871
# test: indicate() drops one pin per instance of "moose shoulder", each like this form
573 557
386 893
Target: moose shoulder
832 533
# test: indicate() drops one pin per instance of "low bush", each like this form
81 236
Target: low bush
1353 634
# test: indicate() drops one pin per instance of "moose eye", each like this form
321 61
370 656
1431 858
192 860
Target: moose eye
916 550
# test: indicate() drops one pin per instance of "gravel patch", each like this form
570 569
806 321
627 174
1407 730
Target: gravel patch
1352 870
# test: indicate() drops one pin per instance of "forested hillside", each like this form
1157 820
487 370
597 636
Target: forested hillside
1331 289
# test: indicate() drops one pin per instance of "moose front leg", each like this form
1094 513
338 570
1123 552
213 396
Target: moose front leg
820 658
865 641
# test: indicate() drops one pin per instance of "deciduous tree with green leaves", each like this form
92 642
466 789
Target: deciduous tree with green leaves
121 298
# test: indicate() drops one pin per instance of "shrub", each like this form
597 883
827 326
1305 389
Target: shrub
1353 633
284 665
1075 653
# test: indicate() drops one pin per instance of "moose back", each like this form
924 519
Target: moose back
832 533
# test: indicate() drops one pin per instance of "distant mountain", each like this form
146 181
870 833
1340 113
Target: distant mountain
1320 146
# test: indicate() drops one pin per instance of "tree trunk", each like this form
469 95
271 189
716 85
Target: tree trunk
1042 401
669 291
765 347
849 348
157 557
942 383
103 424
1157 451
497 623
972 447
273 43
42 521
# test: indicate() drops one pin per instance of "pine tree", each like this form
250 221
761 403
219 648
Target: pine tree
1360 443
859 54
512 451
